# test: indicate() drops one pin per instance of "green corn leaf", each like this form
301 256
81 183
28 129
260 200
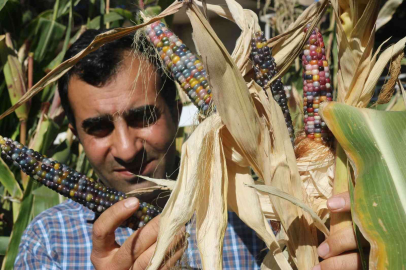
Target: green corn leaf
19 226
11 17
44 198
358 234
62 152
125 13
106 18
153 11
4 240
375 143
61 54
14 75
9 182
2 3
48 35
65 6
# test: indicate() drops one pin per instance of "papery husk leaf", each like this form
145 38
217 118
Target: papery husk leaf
277 192
279 170
266 207
162 182
355 38
390 53
230 93
386 12
316 168
183 200
375 143
245 203
221 10
211 211
99 41
388 88
286 47
247 21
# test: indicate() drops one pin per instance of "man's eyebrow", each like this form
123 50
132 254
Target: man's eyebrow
139 110
89 122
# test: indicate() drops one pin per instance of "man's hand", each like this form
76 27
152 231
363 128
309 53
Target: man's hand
138 249
342 241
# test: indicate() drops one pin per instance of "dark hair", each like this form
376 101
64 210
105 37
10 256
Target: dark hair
100 66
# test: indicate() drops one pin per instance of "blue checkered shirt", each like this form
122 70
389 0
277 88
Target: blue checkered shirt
61 238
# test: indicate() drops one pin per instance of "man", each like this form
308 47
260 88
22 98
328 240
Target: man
123 110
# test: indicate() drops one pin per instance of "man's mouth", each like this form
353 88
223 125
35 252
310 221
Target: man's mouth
135 170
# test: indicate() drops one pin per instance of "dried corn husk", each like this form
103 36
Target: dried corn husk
359 70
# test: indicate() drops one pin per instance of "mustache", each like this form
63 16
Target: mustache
135 164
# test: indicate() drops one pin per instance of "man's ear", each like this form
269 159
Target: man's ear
74 131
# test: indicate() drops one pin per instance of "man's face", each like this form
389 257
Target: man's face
126 129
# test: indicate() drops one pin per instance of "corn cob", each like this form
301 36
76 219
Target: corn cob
184 66
316 87
70 183
265 68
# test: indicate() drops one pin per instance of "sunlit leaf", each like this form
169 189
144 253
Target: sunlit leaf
4 240
279 193
23 219
61 54
14 75
10 17
375 143
386 12
48 35
102 20
2 4
43 200
9 182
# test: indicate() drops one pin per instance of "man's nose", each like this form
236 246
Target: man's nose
126 144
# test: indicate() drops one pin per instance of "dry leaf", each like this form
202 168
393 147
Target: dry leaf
386 12
389 87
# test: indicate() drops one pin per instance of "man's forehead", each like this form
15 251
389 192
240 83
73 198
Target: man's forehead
132 87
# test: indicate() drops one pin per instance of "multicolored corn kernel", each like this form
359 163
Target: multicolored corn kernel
265 68
69 183
316 87
184 66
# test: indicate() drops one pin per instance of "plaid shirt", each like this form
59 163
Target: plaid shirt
61 238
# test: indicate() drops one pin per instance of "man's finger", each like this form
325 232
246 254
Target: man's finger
138 243
349 261
169 264
104 227
339 203
337 243
144 259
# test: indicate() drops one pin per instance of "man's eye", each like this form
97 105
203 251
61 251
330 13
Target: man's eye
100 130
